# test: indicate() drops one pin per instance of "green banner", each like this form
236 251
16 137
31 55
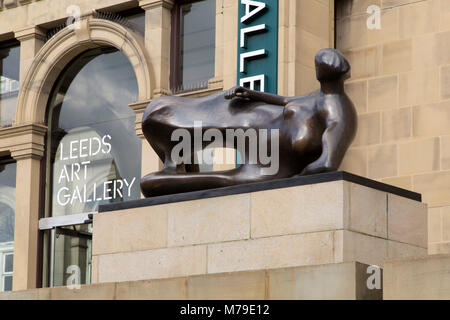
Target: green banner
258 44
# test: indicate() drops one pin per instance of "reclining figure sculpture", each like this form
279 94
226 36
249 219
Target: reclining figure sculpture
314 130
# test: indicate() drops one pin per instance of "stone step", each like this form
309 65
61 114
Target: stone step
346 281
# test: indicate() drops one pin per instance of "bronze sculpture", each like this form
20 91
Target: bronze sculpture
315 130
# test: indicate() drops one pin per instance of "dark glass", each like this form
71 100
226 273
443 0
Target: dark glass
9 83
70 251
7 283
94 155
197 43
137 21
8 263
7 201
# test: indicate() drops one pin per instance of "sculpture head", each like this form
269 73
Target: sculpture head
331 65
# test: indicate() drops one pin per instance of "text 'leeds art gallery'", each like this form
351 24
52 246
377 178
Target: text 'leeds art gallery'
224 149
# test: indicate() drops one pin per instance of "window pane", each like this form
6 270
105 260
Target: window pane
7 283
7 202
8 263
95 154
9 83
7 206
198 24
72 256
137 22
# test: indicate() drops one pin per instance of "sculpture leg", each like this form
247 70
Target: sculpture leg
169 165
163 183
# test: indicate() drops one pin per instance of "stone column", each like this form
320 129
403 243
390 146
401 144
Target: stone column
31 40
27 150
157 41
158 19
300 38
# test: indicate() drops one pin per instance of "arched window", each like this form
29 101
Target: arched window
93 155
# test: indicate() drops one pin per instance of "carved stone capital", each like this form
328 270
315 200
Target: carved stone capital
83 30
139 108
159 92
215 83
150 4
24 141
30 33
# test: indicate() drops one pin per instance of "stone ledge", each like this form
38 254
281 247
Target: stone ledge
23 141
333 281
262 186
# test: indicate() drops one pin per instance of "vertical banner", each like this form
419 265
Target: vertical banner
258 45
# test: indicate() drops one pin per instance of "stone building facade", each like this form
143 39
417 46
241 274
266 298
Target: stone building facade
400 87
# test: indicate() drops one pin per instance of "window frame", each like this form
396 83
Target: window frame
176 64
7 44
6 248
49 224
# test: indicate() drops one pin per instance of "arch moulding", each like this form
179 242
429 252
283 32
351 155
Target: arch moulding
66 45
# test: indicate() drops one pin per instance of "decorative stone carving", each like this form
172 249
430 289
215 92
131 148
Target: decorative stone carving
62 48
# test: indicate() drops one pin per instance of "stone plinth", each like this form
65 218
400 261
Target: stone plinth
331 281
417 278
322 219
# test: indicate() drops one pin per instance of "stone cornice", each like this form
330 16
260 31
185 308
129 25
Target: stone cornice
150 4
139 108
29 33
7 4
23 141
23 129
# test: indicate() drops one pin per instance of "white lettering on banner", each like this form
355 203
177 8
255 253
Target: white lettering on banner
252 8
251 81
258 6
249 30
248 55
78 171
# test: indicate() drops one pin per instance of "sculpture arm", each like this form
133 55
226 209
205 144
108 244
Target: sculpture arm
335 141
269 98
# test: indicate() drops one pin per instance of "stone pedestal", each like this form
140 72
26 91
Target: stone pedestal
417 278
322 219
